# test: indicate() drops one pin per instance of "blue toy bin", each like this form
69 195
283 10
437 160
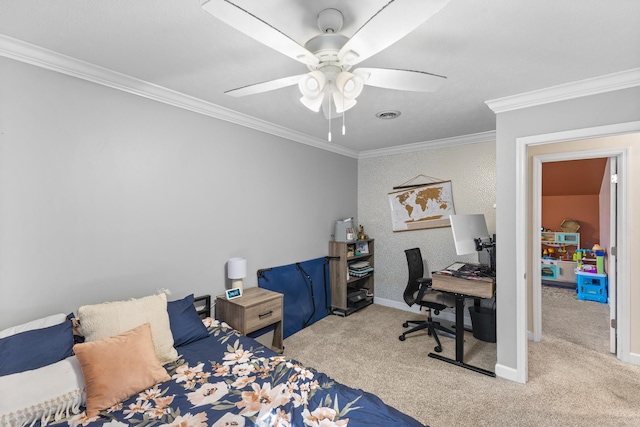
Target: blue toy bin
592 287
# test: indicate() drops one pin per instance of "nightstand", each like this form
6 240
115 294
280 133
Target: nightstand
257 308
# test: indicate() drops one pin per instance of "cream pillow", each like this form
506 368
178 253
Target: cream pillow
116 368
46 394
113 318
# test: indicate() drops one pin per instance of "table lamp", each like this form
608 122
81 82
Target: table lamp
236 271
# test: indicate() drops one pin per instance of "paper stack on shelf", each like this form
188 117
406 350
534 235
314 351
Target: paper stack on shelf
360 269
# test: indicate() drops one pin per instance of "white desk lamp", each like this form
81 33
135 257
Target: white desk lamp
236 271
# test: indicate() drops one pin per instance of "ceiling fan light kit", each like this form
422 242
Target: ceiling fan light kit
312 84
329 56
349 84
341 102
312 104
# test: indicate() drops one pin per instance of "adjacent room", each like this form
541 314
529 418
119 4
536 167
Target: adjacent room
398 213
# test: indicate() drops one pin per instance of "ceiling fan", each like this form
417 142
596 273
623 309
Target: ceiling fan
330 84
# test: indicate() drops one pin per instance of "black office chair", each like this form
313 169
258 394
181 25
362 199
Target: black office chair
419 291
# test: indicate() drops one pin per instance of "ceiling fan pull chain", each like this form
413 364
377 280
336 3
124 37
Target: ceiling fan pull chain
329 136
344 113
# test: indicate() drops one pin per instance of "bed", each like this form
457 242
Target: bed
122 372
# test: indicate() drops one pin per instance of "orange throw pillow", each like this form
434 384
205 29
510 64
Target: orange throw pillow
118 367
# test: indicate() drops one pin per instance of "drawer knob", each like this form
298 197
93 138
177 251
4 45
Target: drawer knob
263 315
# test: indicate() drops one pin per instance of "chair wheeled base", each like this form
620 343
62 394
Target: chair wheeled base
431 327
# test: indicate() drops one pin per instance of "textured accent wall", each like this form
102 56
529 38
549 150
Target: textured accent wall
472 170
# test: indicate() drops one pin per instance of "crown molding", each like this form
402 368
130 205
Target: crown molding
54 61
474 138
607 83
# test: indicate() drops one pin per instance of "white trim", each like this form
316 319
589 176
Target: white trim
522 354
48 59
396 304
586 133
612 242
536 247
474 138
507 373
624 264
634 358
607 83
54 61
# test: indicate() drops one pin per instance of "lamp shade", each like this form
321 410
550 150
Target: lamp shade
342 103
237 268
312 84
350 85
313 104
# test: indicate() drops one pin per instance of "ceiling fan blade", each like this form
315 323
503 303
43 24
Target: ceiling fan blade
415 81
252 26
391 23
265 86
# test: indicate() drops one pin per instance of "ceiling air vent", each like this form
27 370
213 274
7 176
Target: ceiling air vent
388 115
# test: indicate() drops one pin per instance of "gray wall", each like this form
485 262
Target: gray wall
585 112
105 195
471 169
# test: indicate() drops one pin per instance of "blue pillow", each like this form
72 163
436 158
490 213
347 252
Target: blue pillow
36 348
186 325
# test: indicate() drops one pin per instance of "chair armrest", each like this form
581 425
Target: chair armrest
425 280
425 284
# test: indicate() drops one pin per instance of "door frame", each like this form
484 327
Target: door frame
617 154
521 238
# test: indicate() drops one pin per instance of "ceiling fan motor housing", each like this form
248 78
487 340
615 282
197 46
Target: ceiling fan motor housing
330 21
326 47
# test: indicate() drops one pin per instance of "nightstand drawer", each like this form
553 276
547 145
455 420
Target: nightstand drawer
263 314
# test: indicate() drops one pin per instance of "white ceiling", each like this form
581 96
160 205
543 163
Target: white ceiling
487 49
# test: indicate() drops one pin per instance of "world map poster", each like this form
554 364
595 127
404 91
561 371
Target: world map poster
422 206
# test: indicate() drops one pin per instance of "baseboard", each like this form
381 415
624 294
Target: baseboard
634 359
444 315
395 304
508 373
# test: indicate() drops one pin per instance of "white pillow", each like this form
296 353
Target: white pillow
47 394
44 322
114 318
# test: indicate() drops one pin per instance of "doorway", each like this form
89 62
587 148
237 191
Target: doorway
603 141
574 192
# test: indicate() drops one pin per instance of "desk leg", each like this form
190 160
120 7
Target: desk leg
459 328
476 303
459 361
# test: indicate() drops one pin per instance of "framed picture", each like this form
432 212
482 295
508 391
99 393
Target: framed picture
422 206
362 247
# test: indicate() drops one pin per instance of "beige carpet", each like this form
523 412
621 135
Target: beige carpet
573 380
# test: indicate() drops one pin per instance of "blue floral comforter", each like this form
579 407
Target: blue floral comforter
227 379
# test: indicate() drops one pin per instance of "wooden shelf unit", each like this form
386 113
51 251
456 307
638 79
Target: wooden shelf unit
342 284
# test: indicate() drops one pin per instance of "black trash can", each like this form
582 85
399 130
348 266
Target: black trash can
483 321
